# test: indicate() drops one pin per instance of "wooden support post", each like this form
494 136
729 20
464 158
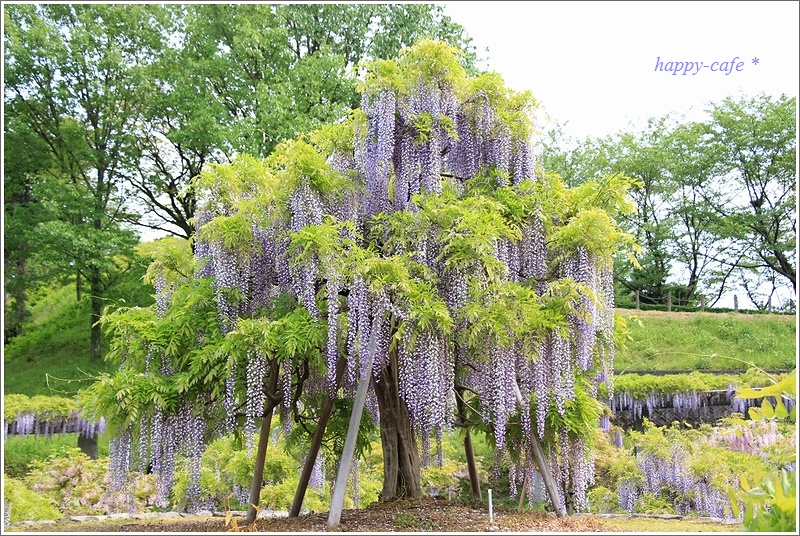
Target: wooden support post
637 300
669 301
736 303
702 302
541 460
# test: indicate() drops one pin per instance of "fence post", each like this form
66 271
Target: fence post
702 302
637 299
769 304
669 301
736 303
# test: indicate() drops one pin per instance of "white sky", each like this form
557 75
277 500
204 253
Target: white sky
591 64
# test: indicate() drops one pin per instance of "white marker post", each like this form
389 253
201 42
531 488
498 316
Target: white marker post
491 514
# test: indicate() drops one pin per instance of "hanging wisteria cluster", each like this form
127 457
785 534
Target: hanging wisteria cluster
670 475
685 404
38 425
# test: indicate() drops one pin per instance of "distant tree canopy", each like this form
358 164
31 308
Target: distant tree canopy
716 201
411 246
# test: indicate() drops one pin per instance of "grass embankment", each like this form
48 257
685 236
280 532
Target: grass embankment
706 341
51 356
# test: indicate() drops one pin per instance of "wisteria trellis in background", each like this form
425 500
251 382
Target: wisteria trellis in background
420 224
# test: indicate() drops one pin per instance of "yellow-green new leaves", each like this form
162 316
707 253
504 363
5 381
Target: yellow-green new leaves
294 335
770 507
787 386
426 62
220 187
333 244
172 260
584 216
44 407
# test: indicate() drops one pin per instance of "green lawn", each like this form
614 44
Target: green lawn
704 341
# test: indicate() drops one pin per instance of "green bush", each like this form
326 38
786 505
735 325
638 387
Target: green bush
602 500
27 505
77 484
19 452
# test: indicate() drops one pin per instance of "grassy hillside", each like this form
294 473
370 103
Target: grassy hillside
659 340
52 356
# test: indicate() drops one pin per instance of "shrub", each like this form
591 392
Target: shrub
25 504
78 485
19 452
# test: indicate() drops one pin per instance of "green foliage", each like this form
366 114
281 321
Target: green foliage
227 467
602 500
26 504
723 189
43 407
49 357
77 485
771 504
20 452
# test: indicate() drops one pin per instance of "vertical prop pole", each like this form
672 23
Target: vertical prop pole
491 513
541 461
337 500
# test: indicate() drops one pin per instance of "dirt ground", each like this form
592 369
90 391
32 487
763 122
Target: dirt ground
427 515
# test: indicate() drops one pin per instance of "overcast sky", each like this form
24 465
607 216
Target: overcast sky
592 64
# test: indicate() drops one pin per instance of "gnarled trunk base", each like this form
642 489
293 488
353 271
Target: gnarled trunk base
401 466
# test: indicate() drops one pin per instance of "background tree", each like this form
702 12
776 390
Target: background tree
715 200
240 78
755 194
73 75
24 157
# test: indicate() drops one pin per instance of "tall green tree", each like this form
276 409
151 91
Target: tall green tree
240 78
74 74
754 196
25 156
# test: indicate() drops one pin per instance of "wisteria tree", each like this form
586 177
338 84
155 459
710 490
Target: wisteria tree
412 246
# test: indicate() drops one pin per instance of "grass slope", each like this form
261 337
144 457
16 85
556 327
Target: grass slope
658 340
51 356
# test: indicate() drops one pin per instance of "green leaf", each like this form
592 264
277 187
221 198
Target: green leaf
767 409
734 502
780 409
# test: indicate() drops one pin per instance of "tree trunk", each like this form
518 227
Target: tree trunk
316 442
96 301
401 466
472 467
263 442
